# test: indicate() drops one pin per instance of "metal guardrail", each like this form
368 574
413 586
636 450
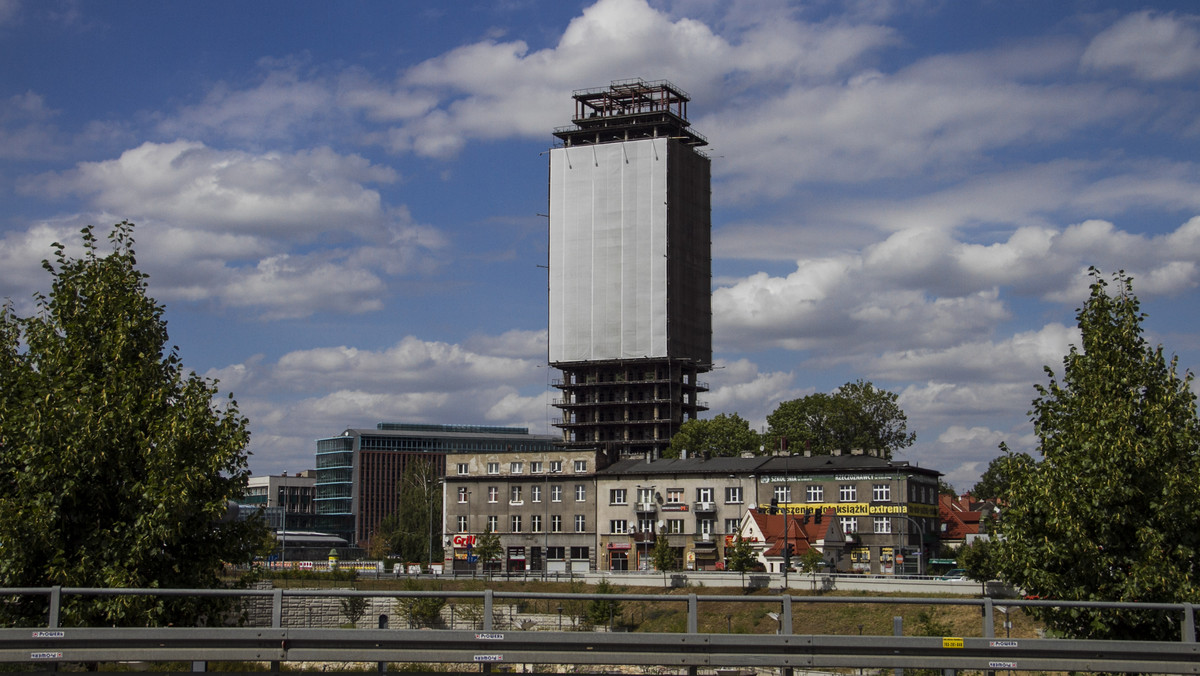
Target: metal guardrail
46 647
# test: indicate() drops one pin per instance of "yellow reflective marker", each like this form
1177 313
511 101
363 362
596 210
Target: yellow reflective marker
951 642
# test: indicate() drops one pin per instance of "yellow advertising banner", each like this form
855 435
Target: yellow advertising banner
855 509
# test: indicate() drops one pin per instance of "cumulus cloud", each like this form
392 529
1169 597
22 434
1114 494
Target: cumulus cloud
1149 45
230 226
927 290
296 195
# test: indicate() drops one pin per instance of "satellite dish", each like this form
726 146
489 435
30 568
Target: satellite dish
661 523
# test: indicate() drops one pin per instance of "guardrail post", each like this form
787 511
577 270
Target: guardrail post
898 630
276 620
693 626
989 618
1189 624
785 617
55 606
487 610
277 609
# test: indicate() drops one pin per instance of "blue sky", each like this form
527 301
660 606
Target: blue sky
339 202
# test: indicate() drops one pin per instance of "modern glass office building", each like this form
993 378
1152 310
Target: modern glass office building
358 471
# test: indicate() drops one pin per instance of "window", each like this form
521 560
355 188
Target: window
704 526
463 494
535 466
580 523
733 495
674 496
881 493
556 523
554 553
516 467
555 466
847 492
704 495
493 494
493 468
493 523
580 492
462 524
675 526
645 525
514 497
617 526
579 553
535 493
883 524
515 522
732 526
535 523
645 495
462 468
581 465
783 494
556 493
849 524
616 496
816 493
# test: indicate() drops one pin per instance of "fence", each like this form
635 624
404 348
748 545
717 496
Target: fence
47 646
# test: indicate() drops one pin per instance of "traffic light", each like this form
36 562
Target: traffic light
788 551
774 508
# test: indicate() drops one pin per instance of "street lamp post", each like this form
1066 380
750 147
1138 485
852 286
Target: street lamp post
920 542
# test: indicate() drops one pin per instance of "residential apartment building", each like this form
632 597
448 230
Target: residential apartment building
886 508
541 503
567 510
695 503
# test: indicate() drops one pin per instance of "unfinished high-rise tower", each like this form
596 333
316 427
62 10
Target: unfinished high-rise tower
630 268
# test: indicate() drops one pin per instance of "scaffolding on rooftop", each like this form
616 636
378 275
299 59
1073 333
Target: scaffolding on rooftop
630 109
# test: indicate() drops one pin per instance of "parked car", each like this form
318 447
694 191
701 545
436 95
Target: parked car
956 574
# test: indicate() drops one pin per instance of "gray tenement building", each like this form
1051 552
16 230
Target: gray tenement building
630 268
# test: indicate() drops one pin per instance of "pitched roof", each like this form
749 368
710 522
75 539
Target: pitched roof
802 532
957 518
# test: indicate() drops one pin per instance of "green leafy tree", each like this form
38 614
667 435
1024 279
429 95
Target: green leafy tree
604 611
858 416
995 481
414 530
663 556
487 548
721 435
116 465
353 608
740 557
981 560
1112 511
420 610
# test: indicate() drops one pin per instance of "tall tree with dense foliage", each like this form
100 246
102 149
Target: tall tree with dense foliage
722 435
995 481
1112 511
858 416
116 466
414 531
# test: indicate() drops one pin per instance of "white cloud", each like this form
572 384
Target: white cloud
231 226
409 364
1148 44
1016 359
294 196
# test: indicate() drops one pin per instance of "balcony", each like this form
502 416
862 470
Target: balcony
646 508
703 507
